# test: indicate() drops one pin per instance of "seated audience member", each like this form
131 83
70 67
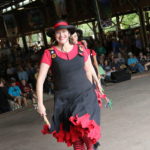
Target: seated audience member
148 54
12 79
147 66
4 104
120 59
27 91
111 56
114 64
16 94
120 62
134 63
142 58
22 74
101 59
102 73
31 71
10 71
108 69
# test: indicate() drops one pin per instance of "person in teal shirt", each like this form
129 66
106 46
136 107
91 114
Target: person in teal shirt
16 94
134 63
100 49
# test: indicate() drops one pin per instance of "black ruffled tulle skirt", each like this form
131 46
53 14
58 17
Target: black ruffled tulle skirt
76 114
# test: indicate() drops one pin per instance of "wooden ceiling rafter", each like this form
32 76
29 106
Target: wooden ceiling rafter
89 16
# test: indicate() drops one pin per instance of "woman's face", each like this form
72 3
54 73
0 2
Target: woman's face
74 38
62 36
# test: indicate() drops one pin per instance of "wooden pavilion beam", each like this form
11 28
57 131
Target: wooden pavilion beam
143 27
99 22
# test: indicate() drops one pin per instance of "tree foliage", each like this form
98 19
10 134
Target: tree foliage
126 22
130 21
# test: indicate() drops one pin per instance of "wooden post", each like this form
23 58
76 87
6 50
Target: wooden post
99 21
24 42
147 18
147 24
44 38
118 23
143 27
94 29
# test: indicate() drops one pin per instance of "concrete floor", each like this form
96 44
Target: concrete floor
125 127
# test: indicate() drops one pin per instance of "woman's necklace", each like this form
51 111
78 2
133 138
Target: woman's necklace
62 49
65 50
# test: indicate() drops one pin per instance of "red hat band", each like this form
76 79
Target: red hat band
60 24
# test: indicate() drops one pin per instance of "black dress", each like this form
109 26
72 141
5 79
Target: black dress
76 110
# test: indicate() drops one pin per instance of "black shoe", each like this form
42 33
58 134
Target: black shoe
95 146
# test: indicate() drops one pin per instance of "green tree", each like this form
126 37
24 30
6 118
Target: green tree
130 21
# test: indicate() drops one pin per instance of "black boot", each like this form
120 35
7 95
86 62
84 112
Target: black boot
96 146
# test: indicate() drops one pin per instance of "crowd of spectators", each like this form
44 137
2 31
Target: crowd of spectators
19 70
122 52
18 77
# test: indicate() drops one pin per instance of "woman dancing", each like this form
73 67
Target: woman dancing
76 117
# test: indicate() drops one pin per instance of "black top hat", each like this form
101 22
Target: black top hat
61 24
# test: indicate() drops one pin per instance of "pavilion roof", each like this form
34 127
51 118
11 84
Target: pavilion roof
78 11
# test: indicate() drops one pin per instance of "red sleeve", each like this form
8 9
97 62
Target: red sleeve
46 58
80 43
85 55
88 51
93 53
18 84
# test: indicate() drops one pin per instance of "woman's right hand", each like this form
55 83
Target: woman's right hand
99 87
41 110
